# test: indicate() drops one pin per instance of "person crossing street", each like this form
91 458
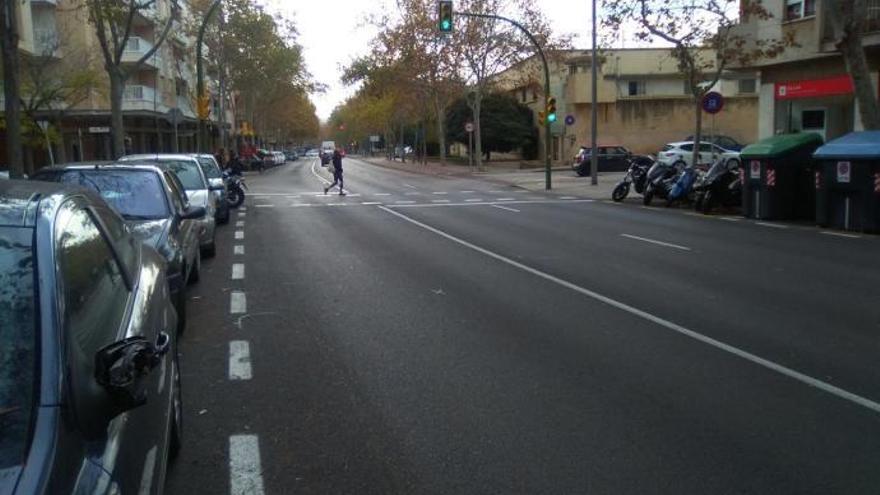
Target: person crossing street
337 172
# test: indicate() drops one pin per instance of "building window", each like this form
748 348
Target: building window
747 86
635 88
798 9
572 69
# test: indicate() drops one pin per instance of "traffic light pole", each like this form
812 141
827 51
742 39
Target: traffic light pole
547 131
200 75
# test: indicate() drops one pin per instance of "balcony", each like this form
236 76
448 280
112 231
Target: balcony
185 106
46 42
137 48
139 98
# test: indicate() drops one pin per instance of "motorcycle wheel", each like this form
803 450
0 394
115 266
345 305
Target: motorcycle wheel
706 206
649 195
620 192
235 198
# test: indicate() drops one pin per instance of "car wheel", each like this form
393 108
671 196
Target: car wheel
211 249
175 442
195 274
649 195
225 218
620 192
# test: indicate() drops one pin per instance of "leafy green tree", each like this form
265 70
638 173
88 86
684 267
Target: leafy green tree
507 124
848 19
9 13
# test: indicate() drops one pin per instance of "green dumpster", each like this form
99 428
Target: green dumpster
848 182
778 181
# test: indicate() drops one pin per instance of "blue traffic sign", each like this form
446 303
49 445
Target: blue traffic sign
713 102
569 120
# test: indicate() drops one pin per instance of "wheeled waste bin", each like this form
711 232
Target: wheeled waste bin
848 182
778 177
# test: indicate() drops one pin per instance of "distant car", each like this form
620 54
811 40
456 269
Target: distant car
611 158
280 159
311 153
726 142
154 206
199 192
89 382
218 188
291 156
681 153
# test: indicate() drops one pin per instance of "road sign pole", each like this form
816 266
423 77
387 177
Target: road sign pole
594 127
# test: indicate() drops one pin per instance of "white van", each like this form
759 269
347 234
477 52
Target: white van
328 147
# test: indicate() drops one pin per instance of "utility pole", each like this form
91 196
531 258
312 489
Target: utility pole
200 74
594 128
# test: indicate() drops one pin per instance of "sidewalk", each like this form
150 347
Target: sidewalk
563 180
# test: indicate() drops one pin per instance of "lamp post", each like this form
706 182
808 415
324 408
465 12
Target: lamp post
200 73
594 129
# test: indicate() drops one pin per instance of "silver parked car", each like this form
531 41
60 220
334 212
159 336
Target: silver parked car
198 191
214 174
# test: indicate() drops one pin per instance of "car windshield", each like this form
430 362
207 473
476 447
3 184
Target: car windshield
209 168
188 173
135 194
18 355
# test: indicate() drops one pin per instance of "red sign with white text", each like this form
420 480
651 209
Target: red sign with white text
792 90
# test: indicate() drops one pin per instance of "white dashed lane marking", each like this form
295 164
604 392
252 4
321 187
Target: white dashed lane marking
238 250
240 223
239 235
240 360
237 303
245 471
238 271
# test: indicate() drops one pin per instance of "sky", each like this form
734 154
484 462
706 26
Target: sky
332 33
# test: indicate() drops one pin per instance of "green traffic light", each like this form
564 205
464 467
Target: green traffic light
551 118
446 25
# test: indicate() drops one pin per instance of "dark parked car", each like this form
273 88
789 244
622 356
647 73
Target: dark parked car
611 158
218 187
154 206
90 396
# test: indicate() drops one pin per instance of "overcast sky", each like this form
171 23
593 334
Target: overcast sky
331 36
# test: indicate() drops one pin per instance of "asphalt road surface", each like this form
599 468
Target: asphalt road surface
450 335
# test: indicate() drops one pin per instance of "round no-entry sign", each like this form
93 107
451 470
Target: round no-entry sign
713 102
469 127
569 120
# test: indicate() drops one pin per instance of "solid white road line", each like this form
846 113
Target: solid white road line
240 223
316 174
404 202
370 203
239 235
753 358
841 234
474 200
245 471
506 199
440 201
381 194
568 197
440 193
237 303
505 208
774 225
237 271
265 206
659 243
480 202
240 360
238 249
730 219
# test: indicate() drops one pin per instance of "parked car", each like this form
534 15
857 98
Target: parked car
212 172
611 158
721 140
279 157
312 153
291 156
198 191
709 153
154 206
90 398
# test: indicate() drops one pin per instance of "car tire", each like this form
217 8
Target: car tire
620 192
649 195
210 250
175 440
180 307
195 273
225 218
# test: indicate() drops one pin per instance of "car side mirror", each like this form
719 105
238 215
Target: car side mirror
193 213
122 366
216 184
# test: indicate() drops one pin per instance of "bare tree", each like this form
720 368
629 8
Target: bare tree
704 41
848 19
113 21
11 85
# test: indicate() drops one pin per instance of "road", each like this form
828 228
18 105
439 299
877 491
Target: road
449 335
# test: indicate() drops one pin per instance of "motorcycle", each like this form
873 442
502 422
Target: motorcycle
721 186
235 188
636 177
684 185
662 176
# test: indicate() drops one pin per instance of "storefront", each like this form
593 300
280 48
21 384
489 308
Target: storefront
825 106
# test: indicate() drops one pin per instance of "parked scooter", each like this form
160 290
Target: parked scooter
721 186
235 188
661 178
683 186
636 177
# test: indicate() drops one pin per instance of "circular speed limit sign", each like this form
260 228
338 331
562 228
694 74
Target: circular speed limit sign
469 127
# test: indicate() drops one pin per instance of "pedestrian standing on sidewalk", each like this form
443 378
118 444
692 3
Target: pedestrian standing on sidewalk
337 172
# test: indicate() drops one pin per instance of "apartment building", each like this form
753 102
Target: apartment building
158 102
643 101
807 87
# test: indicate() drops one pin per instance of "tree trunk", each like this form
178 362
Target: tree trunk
698 132
28 156
440 112
847 19
402 149
117 125
478 141
61 149
11 86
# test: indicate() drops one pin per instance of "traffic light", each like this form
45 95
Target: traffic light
203 106
551 109
445 16
541 116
